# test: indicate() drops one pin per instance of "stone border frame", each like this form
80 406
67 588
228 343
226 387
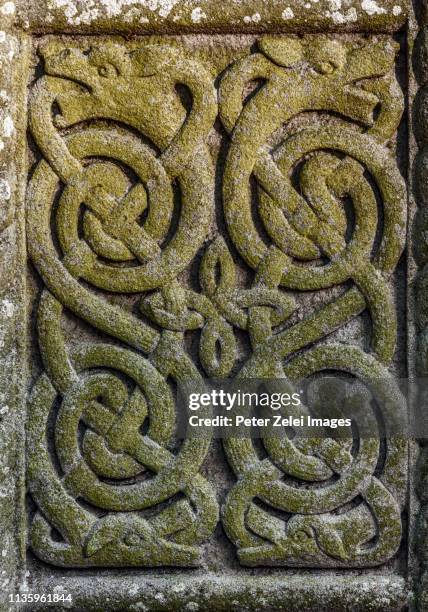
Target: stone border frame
133 591
419 183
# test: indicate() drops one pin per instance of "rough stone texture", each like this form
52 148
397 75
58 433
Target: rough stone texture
211 16
420 177
238 593
176 184
13 77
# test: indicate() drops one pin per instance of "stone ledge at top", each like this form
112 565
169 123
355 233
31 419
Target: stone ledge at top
187 16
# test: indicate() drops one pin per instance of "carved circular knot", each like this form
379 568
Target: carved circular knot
308 221
329 484
114 424
316 459
99 216
313 226
111 221
104 406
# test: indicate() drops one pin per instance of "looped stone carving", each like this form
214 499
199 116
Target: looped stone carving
302 180
109 199
118 155
113 447
313 224
222 307
110 223
147 77
326 540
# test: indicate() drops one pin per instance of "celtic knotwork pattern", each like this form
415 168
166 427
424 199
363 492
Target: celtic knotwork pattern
302 180
122 202
111 410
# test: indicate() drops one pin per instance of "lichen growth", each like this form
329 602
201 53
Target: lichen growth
124 241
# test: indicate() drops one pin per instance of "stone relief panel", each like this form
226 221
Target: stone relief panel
234 211
304 217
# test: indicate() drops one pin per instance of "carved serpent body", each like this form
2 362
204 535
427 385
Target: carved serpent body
113 446
304 226
346 511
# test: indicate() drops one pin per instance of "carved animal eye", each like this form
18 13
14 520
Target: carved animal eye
65 54
327 67
108 71
132 539
301 536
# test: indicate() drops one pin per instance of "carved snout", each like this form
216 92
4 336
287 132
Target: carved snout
131 537
371 60
360 104
68 62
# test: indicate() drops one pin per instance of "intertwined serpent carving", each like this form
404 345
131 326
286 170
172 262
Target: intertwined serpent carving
114 252
107 189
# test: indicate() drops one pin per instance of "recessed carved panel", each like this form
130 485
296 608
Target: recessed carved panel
231 209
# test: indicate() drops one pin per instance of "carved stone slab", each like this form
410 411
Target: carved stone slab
188 191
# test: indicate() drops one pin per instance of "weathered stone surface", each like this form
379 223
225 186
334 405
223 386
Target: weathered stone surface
211 16
225 197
